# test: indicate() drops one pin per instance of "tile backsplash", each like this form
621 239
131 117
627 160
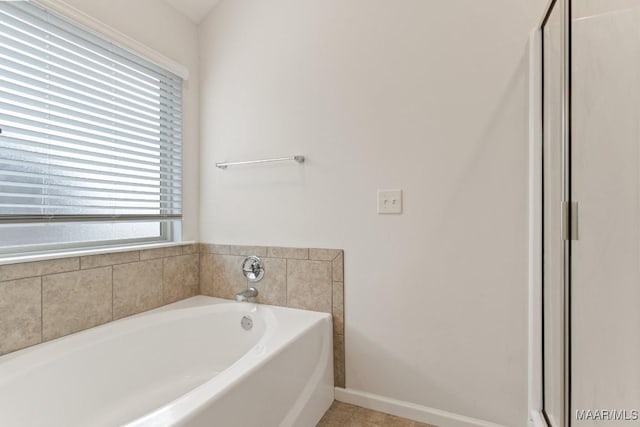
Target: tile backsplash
44 300
310 279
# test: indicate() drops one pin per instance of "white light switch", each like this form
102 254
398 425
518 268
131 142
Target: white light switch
389 201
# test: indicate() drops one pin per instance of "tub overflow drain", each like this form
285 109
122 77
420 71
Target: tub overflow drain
246 323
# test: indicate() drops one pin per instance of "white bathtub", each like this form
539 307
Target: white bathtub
187 364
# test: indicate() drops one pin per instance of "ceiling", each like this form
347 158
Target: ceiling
195 10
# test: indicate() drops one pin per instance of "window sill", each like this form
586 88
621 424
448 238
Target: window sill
85 252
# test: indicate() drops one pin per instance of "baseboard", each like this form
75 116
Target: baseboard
408 410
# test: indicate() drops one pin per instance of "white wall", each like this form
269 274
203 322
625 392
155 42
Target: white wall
158 26
426 96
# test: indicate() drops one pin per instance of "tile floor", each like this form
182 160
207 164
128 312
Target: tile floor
344 415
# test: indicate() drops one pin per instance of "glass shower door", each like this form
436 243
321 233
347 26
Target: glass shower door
591 158
605 264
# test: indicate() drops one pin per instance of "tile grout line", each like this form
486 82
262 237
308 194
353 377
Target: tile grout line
332 291
198 259
199 270
112 295
163 281
41 309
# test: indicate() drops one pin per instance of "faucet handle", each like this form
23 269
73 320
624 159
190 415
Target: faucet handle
253 268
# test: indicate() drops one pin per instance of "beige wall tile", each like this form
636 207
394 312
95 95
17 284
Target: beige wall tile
206 274
210 248
227 278
337 310
181 277
309 285
190 249
20 314
37 268
94 261
338 360
272 289
66 300
75 301
137 287
294 253
248 250
338 268
324 254
160 252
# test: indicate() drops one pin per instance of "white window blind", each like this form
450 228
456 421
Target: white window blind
89 131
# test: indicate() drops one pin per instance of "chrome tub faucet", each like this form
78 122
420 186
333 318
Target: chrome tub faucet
248 295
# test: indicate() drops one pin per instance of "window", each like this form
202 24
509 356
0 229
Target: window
91 138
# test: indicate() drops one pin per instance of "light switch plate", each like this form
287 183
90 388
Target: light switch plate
389 201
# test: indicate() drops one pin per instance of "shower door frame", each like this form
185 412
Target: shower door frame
538 417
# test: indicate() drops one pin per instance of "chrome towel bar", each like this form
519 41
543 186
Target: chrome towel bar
297 158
